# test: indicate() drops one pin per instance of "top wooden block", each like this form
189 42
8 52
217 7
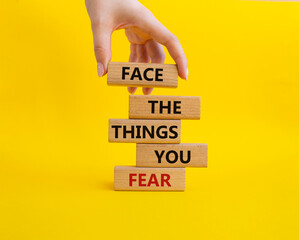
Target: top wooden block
142 74
164 107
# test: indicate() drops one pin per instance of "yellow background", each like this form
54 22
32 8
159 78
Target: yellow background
56 165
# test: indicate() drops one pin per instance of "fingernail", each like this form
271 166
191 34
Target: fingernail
100 69
147 91
132 90
187 73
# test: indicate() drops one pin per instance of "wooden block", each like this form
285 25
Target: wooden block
164 107
172 155
142 74
144 131
149 179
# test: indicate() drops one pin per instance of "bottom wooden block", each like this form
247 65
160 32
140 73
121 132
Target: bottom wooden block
149 179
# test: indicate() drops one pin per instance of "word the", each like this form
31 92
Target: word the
175 105
136 74
144 181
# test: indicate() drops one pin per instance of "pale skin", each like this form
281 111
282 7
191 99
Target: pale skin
145 33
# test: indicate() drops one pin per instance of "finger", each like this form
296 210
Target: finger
143 56
102 46
133 58
155 51
149 24
133 53
157 55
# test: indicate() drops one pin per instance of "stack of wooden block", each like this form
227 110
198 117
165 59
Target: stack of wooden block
155 125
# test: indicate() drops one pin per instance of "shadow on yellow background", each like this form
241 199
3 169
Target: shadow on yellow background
56 165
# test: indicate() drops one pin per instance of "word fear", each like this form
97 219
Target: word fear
146 180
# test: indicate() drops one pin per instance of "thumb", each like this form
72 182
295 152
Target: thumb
102 47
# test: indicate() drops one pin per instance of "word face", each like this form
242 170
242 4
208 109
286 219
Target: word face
150 131
149 74
164 107
142 74
159 179
172 155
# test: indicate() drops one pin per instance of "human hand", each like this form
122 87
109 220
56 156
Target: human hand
145 33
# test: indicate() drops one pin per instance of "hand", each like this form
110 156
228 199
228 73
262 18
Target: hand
143 30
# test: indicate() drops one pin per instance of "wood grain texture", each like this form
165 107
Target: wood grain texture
162 131
170 155
168 74
149 179
164 107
